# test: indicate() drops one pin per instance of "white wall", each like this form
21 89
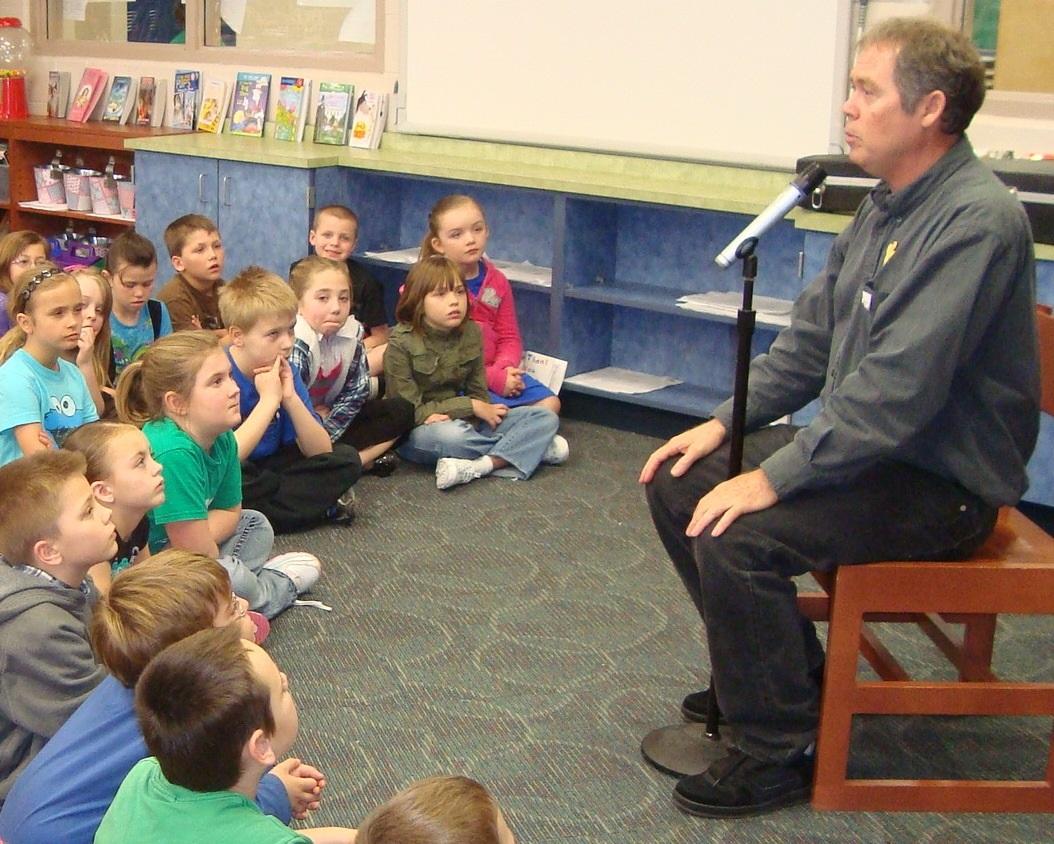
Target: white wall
989 131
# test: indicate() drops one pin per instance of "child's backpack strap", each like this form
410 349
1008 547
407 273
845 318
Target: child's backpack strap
154 307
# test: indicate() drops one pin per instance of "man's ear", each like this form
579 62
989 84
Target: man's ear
259 749
45 554
102 491
932 107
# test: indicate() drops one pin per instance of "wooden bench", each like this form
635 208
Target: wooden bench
1012 573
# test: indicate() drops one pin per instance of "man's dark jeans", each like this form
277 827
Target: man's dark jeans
761 648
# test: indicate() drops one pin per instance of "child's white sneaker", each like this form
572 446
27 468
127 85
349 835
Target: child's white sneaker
452 471
557 452
299 566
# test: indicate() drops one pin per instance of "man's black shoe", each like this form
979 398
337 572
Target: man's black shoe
693 707
739 786
384 465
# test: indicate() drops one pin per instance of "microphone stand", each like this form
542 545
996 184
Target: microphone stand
684 749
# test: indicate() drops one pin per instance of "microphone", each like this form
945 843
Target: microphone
804 183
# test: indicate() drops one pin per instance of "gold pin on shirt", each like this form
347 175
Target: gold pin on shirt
891 250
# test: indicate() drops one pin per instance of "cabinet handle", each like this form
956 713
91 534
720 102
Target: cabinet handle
227 191
201 188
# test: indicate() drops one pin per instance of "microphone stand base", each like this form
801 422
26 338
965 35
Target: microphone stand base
682 750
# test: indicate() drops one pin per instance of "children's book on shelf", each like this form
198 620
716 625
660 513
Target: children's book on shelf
120 101
58 92
185 88
213 106
290 112
150 101
89 93
367 121
249 103
331 115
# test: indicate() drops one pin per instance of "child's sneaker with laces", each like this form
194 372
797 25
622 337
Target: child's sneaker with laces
342 512
299 566
557 452
453 471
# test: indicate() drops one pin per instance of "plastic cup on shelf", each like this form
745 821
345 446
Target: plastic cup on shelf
104 195
50 187
126 198
78 190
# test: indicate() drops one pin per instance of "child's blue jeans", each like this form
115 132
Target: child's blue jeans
520 439
243 555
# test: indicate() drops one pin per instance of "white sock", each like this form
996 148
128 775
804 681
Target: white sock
483 465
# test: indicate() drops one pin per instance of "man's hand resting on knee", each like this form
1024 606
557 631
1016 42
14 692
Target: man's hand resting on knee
726 502
691 445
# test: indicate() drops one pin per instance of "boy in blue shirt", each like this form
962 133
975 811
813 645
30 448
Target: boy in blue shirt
136 320
291 471
64 792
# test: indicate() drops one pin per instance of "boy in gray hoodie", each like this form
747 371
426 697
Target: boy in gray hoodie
52 530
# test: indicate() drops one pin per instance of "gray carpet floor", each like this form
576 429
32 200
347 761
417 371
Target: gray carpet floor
528 634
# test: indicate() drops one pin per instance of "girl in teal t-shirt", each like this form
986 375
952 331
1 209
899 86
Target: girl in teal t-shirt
182 395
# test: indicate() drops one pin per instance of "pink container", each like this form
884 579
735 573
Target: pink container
104 195
50 187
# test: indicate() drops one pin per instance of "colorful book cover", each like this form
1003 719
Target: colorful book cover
185 87
249 105
331 115
89 92
117 102
364 121
145 100
291 108
213 106
58 92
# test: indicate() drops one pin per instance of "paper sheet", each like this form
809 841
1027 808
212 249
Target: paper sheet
613 379
768 309
521 271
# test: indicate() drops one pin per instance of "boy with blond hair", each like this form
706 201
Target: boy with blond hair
216 714
52 531
291 471
192 294
64 792
136 320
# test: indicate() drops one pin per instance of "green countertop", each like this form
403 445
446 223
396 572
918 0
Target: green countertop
712 187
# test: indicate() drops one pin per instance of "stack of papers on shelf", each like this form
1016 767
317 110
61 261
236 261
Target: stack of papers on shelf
526 272
613 379
396 256
522 271
768 309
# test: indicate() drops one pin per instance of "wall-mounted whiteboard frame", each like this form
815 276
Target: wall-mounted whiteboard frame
754 82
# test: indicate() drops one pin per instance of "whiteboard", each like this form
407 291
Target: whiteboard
756 82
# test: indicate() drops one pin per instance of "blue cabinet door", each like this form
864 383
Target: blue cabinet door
264 215
167 187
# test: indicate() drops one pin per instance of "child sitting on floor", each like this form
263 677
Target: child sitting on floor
181 393
20 252
458 230
125 478
192 294
136 320
52 531
42 396
437 810
291 471
435 362
67 788
330 357
216 714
